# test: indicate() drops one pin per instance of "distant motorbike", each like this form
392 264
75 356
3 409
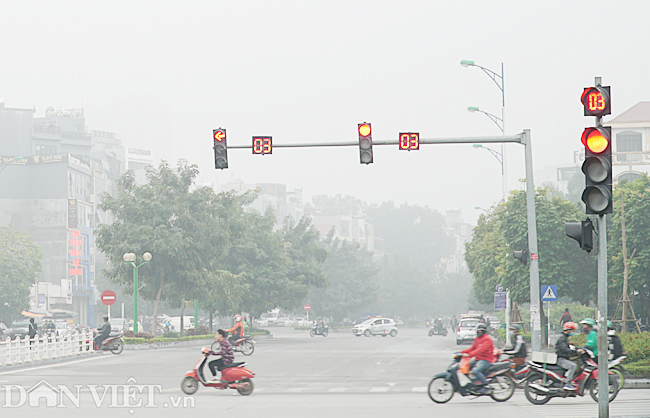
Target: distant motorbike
438 330
114 344
546 381
234 376
316 330
244 345
500 386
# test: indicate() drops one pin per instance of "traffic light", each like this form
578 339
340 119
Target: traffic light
583 232
596 101
597 167
522 256
365 143
220 149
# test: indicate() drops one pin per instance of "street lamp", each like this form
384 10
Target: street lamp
499 81
499 156
480 208
130 258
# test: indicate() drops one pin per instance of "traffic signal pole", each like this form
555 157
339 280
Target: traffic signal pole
535 300
603 354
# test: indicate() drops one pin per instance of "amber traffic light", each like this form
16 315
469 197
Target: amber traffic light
365 143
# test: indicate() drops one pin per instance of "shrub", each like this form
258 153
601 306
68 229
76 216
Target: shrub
638 369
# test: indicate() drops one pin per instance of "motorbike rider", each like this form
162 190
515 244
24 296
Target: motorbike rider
454 322
518 350
565 353
483 350
225 351
588 325
103 333
613 343
237 330
320 325
437 324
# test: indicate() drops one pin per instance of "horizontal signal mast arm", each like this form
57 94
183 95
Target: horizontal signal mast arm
459 140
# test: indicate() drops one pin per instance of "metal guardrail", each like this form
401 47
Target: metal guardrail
26 350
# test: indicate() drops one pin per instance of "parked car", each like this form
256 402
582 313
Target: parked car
188 323
375 326
63 328
4 331
495 323
466 330
20 327
118 324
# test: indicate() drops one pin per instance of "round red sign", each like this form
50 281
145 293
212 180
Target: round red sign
307 307
108 297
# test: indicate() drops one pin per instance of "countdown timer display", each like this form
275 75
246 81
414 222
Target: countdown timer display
409 141
262 145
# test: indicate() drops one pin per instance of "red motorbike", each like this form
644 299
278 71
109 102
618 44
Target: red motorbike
114 344
233 376
244 345
546 381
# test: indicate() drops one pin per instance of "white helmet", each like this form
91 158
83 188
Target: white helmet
237 318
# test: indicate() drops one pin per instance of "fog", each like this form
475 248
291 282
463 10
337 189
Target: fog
164 74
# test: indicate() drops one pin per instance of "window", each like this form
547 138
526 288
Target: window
45 149
137 166
629 141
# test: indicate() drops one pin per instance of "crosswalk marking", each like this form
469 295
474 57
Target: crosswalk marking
337 390
296 390
381 389
419 389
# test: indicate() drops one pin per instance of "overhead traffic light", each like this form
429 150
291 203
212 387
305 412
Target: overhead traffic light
365 143
522 256
596 101
220 148
597 167
583 232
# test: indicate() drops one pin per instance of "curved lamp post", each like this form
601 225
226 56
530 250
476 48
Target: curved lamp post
130 258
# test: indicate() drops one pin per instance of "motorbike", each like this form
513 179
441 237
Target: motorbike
616 367
500 386
244 345
438 330
316 330
114 344
234 376
546 381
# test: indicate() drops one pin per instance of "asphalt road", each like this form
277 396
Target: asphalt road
296 375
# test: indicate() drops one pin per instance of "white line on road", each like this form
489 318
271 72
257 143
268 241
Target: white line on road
419 389
296 390
337 390
382 389
65 363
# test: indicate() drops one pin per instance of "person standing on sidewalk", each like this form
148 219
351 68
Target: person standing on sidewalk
33 330
566 317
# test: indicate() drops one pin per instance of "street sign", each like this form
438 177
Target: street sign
108 297
549 293
307 307
499 300
534 256
498 288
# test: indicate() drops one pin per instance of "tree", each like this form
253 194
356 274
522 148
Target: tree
178 225
353 279
20 265
637 225
503 230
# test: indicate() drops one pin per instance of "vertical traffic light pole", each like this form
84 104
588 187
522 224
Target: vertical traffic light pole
535 319
603 376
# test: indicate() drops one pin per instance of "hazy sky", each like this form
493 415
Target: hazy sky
163 74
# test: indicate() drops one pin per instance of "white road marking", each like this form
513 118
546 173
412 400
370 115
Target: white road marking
65 363
392 384
381 389
419 389
337 390
296 390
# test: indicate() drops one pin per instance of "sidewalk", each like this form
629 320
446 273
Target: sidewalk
79 356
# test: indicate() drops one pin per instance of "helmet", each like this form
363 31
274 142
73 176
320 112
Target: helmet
481 327
105 317
514 327
569 325
588 321
237 318
320 317
610 325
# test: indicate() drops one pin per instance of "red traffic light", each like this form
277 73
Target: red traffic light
596 101
596 139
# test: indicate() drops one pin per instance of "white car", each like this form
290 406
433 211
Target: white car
375 326
466 330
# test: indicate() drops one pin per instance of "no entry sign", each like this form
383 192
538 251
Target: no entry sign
108 297
307 307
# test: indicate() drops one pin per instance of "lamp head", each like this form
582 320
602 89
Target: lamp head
472 109
128 257
477 146
467 63
147 256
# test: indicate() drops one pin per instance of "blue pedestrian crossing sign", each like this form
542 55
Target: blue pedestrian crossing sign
549 293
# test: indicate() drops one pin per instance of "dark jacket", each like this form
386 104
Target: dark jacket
562 348
615 347
518 350
106 330
33 330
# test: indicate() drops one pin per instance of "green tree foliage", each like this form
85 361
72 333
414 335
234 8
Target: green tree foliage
178 225
636 197
503 230
354 282
20 265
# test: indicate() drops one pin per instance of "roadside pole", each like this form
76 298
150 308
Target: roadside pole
508 343
535 319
